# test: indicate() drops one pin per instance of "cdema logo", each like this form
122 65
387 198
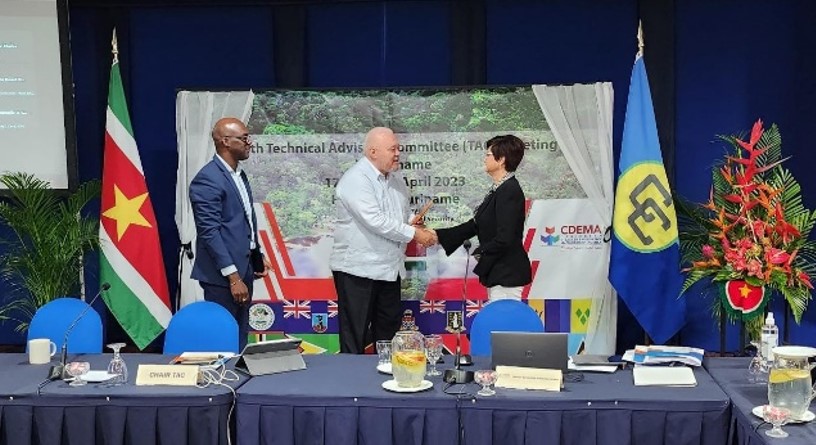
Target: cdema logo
550 238
573 236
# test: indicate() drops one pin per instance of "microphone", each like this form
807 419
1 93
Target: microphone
58 371
457 375
466 359
187 248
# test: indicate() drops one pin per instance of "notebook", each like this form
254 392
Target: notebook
676 376
546 350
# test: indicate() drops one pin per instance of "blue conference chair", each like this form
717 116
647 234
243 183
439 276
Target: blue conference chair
502 315
52 320
202 326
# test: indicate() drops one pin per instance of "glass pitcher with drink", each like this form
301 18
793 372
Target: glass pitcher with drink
408 358
789 382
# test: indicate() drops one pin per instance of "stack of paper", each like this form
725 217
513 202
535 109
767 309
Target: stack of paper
592 363
201 358
677 376
591 368
658 354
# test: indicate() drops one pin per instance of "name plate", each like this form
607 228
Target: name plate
517 377
173 375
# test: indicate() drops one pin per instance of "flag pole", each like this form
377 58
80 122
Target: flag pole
646 340
115 47
640 39
82 289
115 52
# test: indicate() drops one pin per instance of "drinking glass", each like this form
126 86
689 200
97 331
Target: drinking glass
758 367
117 366
77 370
433 351
384 351
777 417
486 378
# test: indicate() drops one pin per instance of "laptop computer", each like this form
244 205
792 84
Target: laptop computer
547 350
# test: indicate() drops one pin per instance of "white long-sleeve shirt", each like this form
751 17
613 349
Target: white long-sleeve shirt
371 231
239 184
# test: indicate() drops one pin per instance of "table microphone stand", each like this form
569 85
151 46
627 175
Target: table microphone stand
457 375
60 371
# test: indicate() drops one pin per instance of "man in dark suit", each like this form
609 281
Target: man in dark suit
228 256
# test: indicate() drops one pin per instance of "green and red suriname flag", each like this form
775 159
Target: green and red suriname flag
131 257
743 300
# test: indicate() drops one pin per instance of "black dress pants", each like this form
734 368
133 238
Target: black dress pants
223 296
369 310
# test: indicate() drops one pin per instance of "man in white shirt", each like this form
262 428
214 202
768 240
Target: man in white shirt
372 230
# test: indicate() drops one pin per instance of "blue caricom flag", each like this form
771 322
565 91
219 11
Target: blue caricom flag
645 263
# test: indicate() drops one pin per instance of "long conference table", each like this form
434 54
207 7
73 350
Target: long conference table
339 400
746 428
95 414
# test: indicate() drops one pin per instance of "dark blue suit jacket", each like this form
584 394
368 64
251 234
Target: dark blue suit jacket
224 232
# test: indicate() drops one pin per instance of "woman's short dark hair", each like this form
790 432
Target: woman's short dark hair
508 147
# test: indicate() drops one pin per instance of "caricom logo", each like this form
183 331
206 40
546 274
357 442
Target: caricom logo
550 238
644 219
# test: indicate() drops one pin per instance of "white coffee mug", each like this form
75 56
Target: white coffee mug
40 351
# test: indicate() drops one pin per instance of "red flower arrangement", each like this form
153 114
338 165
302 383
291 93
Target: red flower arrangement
751 236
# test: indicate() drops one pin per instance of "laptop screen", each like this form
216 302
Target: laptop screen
547 350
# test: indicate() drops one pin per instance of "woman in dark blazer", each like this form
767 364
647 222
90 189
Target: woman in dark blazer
503 265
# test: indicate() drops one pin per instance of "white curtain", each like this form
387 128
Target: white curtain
584 134
196 113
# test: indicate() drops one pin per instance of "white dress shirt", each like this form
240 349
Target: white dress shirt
239 183
371 231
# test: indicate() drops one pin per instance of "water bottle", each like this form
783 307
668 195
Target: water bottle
769 338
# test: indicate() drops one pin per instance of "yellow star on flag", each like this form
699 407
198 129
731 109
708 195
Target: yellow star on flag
744 291
125 211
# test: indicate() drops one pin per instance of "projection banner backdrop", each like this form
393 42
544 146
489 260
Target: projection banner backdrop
305 140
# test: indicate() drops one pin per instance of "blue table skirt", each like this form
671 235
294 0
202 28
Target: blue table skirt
24 425
286 425
338 400
91 414
594 427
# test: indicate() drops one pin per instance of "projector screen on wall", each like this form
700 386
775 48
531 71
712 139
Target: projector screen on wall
36 111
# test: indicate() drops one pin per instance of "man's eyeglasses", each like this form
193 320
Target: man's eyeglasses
245 138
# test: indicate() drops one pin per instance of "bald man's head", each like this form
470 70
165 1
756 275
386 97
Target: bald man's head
382 149
231 139
225 127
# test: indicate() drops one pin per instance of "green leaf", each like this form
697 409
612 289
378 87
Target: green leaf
754 281
693 277
697 229
42 258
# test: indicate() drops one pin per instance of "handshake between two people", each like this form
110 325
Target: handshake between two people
426 237
423 235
